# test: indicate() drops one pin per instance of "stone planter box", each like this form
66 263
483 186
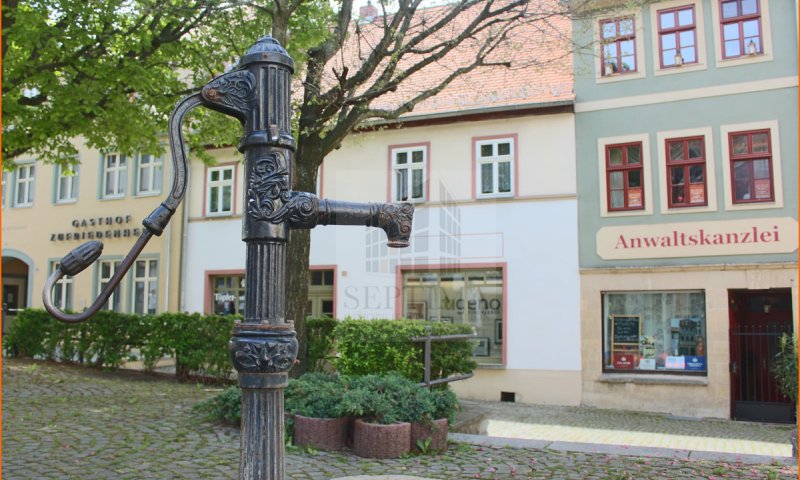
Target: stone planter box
373 440
320 433
435 431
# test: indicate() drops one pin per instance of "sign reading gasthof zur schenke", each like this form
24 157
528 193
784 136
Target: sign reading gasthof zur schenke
695 239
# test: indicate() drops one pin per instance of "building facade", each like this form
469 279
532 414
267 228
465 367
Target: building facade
686 121
48 210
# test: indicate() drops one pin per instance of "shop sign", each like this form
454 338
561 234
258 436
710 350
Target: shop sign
98 228
696 363
624 360
675 363
695 239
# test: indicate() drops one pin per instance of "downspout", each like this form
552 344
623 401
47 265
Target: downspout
184 249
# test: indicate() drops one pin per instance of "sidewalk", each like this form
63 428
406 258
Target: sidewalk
613 431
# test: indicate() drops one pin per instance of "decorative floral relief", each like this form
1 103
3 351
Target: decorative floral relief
266 357
399 214
268 194
233 90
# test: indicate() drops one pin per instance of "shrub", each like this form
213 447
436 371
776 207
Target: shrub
226 407
379 346
317 395
319 343
387 399
785 366
29 335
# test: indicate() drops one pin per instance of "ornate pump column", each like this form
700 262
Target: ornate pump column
264 346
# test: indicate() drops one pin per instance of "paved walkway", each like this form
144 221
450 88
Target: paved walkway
72 423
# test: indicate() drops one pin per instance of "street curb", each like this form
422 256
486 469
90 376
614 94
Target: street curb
624 450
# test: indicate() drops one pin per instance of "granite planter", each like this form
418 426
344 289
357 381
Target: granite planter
373 440
436 431
320 433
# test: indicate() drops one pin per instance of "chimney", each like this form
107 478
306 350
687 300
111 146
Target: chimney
368 12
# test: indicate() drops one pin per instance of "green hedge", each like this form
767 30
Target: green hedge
198 343
319 343
380 346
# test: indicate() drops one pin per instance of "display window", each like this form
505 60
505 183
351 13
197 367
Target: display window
472 297
650 332
228 294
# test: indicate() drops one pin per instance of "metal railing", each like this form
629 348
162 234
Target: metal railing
428 339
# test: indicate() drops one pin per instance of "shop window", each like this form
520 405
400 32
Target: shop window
66 183
115 175
219 190
494 167
740 25
618 43
677 36
686 172
645 332
62 290
228 294
471 297
148 175
23 185
625 177
751 166
105 270
409 172
145 286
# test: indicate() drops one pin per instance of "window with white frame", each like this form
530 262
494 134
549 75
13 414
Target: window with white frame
66 183
105 270
219 190
62 290
677 36
751 166
4 188
409 174
740 22
115 175
148 175
23 185
145 286
618 40
686 177
495 167
625 172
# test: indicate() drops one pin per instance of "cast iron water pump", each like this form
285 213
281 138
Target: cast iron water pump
264 345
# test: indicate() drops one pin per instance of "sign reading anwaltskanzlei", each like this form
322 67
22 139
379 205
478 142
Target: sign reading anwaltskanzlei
694 239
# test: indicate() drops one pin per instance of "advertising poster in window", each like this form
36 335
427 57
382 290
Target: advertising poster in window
762 188
697 193
635 197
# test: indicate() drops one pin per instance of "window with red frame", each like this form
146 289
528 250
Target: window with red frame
624 175
686 172
618 40
677 36
751 166
741 28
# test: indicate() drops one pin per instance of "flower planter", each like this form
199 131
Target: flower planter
436 431
320 433
373 440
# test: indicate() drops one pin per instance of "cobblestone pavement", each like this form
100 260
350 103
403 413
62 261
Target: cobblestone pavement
613 427
64 422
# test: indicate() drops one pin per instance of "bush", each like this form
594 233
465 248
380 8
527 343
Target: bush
226 407
785 366
379 346
316 395
29 335
319 343
387 399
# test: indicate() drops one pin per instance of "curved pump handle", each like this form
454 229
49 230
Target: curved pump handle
84 255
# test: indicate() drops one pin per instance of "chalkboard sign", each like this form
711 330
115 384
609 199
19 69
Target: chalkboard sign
626 329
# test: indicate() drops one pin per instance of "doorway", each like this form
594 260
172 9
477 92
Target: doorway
15 289
758 318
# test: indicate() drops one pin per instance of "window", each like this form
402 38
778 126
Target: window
219 190
148 175
677 36
106 270
320 294
23 185
686 166
62 290
751 166
66 183
472 297
618 40
495 167
740 23
4 188
115 175
624 180
654 332
228 294
409 174
145 286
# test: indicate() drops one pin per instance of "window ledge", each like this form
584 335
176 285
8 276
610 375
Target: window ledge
644 379
491 366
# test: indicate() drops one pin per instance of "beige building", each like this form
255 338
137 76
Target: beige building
48 210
